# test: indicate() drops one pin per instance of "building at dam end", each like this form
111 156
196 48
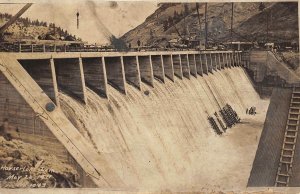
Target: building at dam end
190 97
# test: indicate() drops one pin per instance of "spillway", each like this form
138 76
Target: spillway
137 121
159 138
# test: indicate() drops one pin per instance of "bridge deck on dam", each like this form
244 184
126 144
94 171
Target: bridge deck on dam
146 117
42 55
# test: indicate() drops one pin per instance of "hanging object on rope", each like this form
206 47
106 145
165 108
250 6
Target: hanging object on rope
77 15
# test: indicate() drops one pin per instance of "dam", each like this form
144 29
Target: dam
139 120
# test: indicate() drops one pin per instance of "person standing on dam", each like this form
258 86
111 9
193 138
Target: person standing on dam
139 44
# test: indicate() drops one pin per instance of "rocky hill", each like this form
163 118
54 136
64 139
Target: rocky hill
178 20
23 165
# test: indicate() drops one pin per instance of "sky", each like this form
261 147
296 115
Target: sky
97 19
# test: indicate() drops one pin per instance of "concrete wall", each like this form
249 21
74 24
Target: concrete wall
192 64
238 59
177 66
203 59
214 61
295 178
31 128
219 61
209 62
236 62
70 77
115 73
185 66
20 115
146 69
263 63
210 58
265 165
132 71
168 66
222 60
198 63
43 72
158 69
226 60
95 75
232 59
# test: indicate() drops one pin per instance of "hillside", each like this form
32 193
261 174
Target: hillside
24 28
283 23
249 23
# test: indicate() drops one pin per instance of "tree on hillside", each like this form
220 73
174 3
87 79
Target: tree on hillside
186 9
175 16
165 25
170 21
151 33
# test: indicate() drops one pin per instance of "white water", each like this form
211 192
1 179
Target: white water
163 141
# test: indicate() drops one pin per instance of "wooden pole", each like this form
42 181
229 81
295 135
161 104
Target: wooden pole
231 26
205 26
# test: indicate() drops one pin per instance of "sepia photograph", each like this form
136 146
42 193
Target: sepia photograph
149 96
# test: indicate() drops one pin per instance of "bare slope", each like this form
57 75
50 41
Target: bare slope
283 23
249 23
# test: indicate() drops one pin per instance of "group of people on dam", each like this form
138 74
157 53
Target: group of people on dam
251 110
228 119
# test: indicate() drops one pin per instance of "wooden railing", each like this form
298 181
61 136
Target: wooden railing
28 48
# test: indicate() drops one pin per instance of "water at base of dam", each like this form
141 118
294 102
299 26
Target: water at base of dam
160 138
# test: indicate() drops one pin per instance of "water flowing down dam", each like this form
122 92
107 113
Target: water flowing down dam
164 139
163 97
137 120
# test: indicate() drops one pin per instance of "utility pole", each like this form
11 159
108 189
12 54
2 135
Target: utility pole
197 7
231 26
206 26
267 13
262 8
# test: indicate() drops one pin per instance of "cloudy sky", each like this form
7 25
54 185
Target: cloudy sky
97 18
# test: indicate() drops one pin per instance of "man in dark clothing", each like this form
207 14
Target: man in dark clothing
139 44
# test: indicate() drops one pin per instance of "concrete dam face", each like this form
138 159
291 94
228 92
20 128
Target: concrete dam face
150 139
137 122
